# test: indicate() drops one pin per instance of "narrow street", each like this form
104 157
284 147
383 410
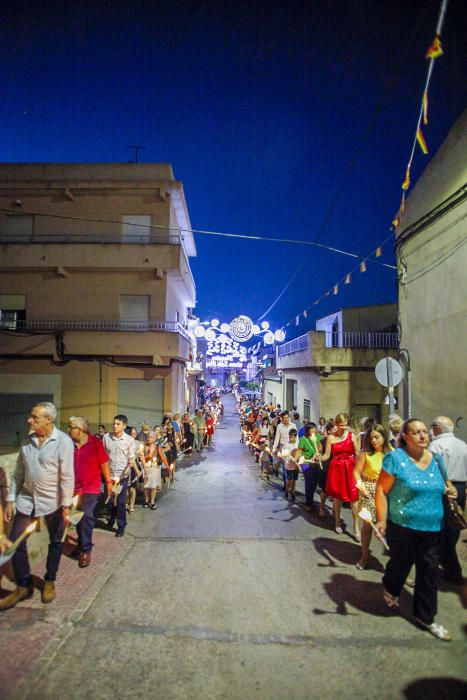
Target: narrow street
228 591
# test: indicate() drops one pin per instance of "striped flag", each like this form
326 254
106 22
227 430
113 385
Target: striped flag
406 183
425 108
421 141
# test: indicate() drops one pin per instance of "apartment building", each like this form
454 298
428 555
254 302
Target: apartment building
95 291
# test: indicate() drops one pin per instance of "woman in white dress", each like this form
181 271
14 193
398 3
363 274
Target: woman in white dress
152 470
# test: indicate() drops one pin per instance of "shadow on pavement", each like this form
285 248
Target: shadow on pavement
365 596
343 551
435 689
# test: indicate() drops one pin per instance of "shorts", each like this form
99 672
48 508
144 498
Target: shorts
292 474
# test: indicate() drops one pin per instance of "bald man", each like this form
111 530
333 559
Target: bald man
454 454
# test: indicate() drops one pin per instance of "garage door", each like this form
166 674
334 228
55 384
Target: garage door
14 413
141 400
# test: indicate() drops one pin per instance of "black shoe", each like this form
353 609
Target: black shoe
153 506
146 505
120 533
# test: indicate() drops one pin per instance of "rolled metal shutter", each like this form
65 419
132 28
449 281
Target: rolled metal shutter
141 400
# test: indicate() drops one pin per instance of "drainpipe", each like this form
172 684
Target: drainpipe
404 353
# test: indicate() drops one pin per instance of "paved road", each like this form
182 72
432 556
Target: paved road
229 592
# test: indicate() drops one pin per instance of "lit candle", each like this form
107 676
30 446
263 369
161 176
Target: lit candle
11 550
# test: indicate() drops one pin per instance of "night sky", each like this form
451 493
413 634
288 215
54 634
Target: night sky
283 119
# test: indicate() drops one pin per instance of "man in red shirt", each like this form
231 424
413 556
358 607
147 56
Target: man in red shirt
91 461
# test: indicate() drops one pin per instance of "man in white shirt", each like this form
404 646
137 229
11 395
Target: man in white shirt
454 454
42 484
121 449
281 439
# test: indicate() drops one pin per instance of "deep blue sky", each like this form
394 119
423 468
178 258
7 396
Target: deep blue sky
261 107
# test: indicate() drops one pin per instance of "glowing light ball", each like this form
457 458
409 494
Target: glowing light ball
269 338
225 328
241 328
256 329
265 325
214 322
200 331
210 335
279 336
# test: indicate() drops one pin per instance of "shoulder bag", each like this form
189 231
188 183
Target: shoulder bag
453 513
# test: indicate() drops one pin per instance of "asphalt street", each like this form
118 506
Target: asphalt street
228 591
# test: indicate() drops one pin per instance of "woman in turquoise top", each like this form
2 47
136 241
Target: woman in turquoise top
409 506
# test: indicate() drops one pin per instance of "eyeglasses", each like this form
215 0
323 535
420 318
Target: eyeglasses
434 425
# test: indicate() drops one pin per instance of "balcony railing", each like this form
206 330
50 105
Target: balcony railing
357 339
67 325
137 238
295 345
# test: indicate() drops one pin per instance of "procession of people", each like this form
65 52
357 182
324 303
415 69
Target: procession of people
394 484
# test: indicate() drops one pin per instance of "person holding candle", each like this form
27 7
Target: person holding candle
366 472
91 462
409 508
121 449
42 484
309 445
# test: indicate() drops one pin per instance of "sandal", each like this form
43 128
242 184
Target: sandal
392 601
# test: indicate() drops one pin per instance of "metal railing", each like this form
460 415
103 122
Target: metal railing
295 345
67 325
138 238
358 339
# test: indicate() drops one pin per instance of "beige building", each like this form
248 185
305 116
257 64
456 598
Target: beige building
331 370
95 291
432 262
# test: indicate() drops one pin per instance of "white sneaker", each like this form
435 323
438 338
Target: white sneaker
436 630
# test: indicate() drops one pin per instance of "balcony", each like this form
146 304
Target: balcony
47 326
357 339
164 235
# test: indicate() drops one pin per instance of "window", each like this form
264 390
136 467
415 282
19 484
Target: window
306 409
136 228
12 311
19 225
134 307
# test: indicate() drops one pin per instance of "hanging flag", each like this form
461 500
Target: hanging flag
421 141
297 320
406 183
363 266
435 49
378 252
397 219
336 289
348 278
305 314
425 108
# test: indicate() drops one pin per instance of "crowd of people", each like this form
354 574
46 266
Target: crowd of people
393 481
61 478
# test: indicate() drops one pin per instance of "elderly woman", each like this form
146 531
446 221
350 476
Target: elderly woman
409 508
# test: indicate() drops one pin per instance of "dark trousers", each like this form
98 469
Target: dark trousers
118 512
311 476
408 547
449 538
85 527
55 526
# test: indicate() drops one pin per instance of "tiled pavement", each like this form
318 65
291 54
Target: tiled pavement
31 633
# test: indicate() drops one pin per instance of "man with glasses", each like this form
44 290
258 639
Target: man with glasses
41 485
90 461
454 454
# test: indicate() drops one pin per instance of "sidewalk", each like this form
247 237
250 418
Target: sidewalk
33 631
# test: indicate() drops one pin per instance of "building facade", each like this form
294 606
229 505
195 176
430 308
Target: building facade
432 263
95 291
332 370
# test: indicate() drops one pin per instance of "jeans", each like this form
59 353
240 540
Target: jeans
417 547
85 527
199 437
311 476
118 511
55 526
449 538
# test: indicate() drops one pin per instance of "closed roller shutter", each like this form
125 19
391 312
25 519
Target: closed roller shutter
141 400
134 307
14 413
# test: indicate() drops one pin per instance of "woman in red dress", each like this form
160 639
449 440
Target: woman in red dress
209 429
342 447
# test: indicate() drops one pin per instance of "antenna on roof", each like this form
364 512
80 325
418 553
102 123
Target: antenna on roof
137 150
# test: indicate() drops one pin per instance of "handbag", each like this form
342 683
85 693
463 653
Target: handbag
453 513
